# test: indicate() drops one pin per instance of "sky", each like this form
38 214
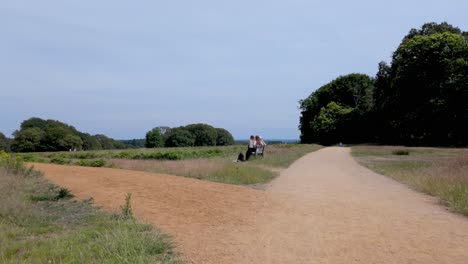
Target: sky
121 68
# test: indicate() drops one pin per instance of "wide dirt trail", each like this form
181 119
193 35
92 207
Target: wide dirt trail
325 208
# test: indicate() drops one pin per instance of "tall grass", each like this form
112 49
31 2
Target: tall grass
436 171
40 224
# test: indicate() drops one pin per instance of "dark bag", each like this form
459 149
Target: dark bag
240 157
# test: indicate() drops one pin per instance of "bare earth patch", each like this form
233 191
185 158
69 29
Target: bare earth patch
325 208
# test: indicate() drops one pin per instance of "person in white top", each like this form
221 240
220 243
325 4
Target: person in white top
251 147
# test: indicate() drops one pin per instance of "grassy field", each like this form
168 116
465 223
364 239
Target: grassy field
440 172
206 163
39 223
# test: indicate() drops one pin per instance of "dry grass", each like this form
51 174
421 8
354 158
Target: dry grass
223 169
441 172
194 168
38 226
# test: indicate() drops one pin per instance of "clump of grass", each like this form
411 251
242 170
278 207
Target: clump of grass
401 152
439 172
60 230
126 209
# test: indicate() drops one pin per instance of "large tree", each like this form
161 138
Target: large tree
352 91
205 135
154 138
180 137
223 137
36 134
421 97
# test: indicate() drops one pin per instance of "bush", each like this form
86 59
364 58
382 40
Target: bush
91 163
401 152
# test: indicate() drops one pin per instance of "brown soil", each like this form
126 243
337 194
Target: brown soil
325 208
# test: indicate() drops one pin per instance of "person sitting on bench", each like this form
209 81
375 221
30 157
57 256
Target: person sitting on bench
251 148
259 145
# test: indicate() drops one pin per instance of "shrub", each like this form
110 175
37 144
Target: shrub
401 152
91 163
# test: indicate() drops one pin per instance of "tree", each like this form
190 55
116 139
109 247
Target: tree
332 123
205 135
224 138
352 90
180 137
4 142
154 138
90 142
28 140
424 95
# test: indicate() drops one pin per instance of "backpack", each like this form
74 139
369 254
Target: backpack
240 157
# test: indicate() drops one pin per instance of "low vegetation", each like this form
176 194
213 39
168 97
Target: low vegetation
222 167
206 163
440 172
40 224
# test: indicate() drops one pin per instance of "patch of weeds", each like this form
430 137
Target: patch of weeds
401 152
127 212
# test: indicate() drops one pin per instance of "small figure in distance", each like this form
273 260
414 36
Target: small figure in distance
250 148
341 144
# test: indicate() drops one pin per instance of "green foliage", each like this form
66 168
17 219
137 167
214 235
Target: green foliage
127 211
331 122
353 91
180 137
154 138
4 142
36 134
418 99
136 143
401 152
422 95
205 135
224 138
91 163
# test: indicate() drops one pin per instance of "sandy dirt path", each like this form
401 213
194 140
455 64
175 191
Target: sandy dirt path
325 208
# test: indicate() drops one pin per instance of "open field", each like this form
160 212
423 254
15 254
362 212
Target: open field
206 163
441 172
324 208
39 223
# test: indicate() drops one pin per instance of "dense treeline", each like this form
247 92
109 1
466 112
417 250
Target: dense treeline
36 134
420 98
188 136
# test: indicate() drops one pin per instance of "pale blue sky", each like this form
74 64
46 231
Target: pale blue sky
122 67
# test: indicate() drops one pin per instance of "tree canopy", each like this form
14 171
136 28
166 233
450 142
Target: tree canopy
154 138
36 134
4 142
418 99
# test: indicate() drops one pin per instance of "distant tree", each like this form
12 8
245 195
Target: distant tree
353 91
28 140
330 125
205 135
180 137
90 142
135 143
154 138
4 142
224 138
